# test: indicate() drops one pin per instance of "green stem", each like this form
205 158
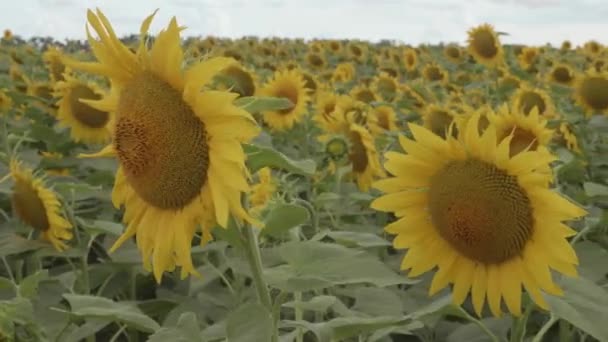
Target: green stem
481 326
299 314
518 331
541 333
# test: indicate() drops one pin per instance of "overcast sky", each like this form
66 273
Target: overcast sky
412 21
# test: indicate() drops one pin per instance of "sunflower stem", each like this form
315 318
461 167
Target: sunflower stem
541 333
299 314
480 324
255 262
518 331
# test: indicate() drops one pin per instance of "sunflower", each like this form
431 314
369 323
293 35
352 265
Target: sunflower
591 92
8 35
568 136
527 97
326 115
509 81
363 157
334 46
5 101
357 51
566 46
438 120
561 74
53 61
525 131
316 61
37 206
88 124
310 82
344 72
386 86
287 84
410 59
363 93
486 220
262 191
386 118
592 48
239 80
484 45
181 164
453 53
432 72
528 57
20 80
412 97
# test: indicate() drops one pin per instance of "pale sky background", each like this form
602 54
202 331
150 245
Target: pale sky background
533 22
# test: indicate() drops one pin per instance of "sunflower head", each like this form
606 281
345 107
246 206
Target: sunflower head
358 51
6 102
591 92
484 45
527 97
566 135
592 48
432 72
527 132
316 61
54 64
176 142
363 156
336 147
386 118
87 123
38 206
385 86
291 85
561 74
343 72
528 57
239 80
364 94
485 220
410 59
453 53
438 120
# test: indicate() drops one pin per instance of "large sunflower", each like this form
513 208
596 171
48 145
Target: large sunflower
181 164
87 124
591 92
287 84
484 46
485 220
38 206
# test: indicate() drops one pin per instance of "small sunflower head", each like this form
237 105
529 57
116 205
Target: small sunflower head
527 97
410 59
291 85
561 74
336 148
591 92
485 46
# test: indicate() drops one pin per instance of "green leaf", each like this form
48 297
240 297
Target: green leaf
583 305
28 288
595 189
377 302
471 332
250 322
89 328
284 217
99 307
11 244
259 157
313 265
318 304
256 104
358 239
187 329
102 227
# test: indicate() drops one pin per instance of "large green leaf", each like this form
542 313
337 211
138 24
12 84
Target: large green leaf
583 305
28 287
99 307
186 330
250 322
259 157
284 217
315 265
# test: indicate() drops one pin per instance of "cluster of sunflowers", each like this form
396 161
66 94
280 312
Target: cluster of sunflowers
462 141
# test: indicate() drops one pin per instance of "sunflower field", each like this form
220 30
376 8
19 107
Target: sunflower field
157 187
